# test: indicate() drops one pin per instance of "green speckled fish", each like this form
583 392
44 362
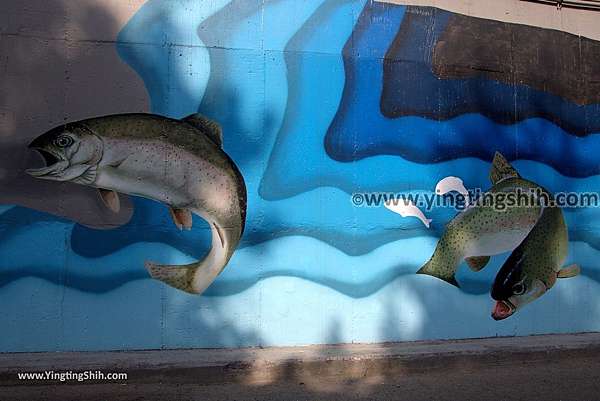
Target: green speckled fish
534 266
487 227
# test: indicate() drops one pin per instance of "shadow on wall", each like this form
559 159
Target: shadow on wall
60 65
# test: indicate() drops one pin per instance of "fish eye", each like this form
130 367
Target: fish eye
519 289
63 141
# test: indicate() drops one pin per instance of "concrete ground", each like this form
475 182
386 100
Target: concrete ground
560 367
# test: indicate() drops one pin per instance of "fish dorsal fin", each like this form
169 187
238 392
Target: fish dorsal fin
569 271
209 127
501 169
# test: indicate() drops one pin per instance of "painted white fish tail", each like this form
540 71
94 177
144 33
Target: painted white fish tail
194 278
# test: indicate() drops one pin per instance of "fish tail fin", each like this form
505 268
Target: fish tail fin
428 222
444 262
430 269
179 277
194 278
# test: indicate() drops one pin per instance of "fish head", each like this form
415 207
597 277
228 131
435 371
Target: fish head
515 286
68 152
440 187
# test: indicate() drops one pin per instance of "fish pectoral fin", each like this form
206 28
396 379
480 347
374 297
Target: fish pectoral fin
110 199
182 218
476 263
569 271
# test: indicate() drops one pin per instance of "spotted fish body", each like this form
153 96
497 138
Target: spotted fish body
534 266
484 228
545 249
176 162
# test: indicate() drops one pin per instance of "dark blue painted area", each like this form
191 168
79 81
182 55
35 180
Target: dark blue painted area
93 283
150 222
407 70
380 92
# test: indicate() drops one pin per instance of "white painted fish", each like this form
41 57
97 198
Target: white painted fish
180 163
406 208
452 184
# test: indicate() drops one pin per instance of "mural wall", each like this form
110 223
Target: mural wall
309 115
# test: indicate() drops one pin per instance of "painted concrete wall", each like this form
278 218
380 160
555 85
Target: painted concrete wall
318 100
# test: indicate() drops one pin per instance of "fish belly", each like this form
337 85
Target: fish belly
487 231
495 243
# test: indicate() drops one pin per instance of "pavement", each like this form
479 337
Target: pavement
549 367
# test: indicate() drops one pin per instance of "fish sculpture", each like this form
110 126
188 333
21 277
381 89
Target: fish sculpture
180 163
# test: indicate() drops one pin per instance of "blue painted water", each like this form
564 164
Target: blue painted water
312 267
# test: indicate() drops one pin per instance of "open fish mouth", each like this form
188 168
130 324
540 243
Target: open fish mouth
54 164
502 310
